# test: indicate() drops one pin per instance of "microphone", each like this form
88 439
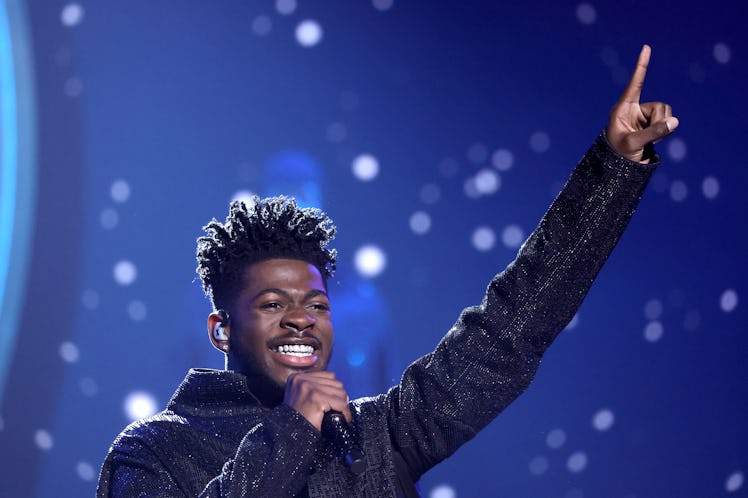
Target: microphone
335 429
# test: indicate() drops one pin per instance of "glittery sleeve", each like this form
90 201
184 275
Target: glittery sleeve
491 354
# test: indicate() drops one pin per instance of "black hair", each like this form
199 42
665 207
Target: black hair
264 229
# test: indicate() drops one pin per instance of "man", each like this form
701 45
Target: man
254 429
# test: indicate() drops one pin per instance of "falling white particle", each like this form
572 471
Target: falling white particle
540 142
577 462
285 7
555 439
502 159
88 386
71 15
69 352
308 33
365 167
382 5
512 236
137 311
139 404
678 191
487 181
710 187
483 239
653 309
420 222
43 440
586 13
73 87
125 272
120 191
603 420
85 471
370 260
722 53
653 331
443 491
677 149
261 25
109 219
470 188
734 482
244 196
728 301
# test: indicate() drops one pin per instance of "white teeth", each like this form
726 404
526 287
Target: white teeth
295 349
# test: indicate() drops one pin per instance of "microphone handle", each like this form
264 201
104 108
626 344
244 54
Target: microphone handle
335 428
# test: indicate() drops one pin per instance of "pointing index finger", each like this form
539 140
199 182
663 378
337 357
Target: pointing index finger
634 89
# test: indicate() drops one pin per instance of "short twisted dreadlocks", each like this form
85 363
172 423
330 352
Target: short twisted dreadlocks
269 228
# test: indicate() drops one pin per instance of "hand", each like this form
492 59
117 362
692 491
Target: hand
312 394
633 126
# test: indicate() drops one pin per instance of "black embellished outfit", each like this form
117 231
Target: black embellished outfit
214 438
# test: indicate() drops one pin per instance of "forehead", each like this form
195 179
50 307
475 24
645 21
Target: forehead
286 274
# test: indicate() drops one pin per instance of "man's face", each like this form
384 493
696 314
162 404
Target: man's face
280 324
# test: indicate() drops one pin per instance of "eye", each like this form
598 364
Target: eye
320 307
271 305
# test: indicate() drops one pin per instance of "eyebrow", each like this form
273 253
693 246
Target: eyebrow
273 290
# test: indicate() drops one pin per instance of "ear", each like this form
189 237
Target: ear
219 330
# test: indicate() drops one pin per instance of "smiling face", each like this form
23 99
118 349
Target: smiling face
280 324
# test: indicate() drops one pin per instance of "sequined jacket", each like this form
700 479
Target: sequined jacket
214 439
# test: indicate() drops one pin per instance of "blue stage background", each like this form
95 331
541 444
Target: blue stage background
435 134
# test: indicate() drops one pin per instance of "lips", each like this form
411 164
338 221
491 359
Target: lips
295 352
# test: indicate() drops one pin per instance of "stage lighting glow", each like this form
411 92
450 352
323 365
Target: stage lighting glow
676 149
69 352
85 471
108 218
573 322
244 196
120 191
586 13
285 7
487 181
471 190
734 482
512 236
653 331
603 420
710 187
477 153
125 272
577 462
555 439
538 465
71 15
365 167
261 25
540 142
88 387
355 357
336 132
653 309
483 239
370 261
43 440
308 33
137 311
722 53
420 222
448 167
139 404
502 159
382 5
73 87
728 301
678 191
443 491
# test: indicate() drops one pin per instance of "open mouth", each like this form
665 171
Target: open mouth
300 350
295 355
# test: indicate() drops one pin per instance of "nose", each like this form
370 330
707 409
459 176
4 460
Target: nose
298 319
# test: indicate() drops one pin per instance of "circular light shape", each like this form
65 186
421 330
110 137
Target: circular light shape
538 465
365 167
382 5
285 7
73 87
470 188
125 272
653 309
308 33
710 187
678 191
448 167
483 239
71 15
443 491
43 440
734 482
487 181
90 299
139 404
502 159
430 193
512 236
653 331
137 311
420 222
356 357
728 301
336 132
577 462
540 142
108 219
85 471
477 153
603 420
69 352
555 439
573 322
676 149
586 13
88 387
261 25
722 53
245 196
120 191
370 261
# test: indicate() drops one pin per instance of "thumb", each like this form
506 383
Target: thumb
654 132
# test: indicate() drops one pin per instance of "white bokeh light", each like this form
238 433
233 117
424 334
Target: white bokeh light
677 149
73 86
43 440
487 181
734 482
678 191
603 419
382 5
125 272
120 191
430 193
71 15
586 13
365 167
370 260
512 236
85 471
483 239
728 301
502 159
538 465
139 404
420 222
722 53
245 196
710 187
470 188
109 219
285 7
261 25
69 352
653 309
88 386
540 142
577 462
555 438
443 491
308 33
90 299
137 311
653 331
